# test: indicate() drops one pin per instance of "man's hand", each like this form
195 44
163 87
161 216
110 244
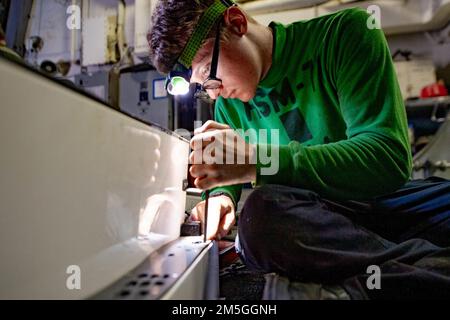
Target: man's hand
220 157
211 126
221 216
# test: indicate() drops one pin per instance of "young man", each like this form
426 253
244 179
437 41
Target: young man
339 202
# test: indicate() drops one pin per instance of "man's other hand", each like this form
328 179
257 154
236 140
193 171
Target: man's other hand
221 216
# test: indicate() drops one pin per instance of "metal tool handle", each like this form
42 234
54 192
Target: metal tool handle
206 215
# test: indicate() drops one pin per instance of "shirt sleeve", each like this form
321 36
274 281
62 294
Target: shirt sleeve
375 158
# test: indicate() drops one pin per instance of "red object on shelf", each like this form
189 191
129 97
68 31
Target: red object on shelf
435 90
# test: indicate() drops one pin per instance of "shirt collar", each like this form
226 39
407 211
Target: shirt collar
277 69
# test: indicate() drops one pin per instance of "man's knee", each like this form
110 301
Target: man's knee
262 209
257 212
264 224
268 202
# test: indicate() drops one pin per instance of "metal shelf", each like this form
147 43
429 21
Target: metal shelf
427 102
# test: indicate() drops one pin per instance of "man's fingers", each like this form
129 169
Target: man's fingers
221 216
211 125
201 183
199 142
207 183
202 140
197 212
196 171
204 171
226 223
211 156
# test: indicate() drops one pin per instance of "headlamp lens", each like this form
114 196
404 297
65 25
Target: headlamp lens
178 86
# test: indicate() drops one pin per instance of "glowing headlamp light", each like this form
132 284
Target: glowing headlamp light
177 85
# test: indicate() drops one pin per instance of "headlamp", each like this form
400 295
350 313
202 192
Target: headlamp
177 82
178 86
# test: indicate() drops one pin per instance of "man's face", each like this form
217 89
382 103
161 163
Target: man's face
237 68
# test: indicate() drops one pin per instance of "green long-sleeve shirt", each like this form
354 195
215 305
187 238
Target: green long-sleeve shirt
332 92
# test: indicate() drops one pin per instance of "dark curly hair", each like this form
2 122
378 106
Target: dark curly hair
173 22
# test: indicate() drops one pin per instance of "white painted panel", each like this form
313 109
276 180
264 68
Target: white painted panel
95 31
48 20
143 14
79 183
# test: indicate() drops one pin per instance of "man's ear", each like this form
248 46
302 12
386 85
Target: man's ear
236 21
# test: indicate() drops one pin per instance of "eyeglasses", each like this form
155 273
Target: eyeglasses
178 81
212 82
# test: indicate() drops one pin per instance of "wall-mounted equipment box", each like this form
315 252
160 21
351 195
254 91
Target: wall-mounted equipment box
143 95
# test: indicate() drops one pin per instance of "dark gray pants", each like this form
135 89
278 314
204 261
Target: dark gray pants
300 235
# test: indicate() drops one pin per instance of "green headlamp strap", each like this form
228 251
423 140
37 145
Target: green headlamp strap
204 26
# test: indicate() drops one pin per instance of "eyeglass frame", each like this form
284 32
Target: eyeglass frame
213 71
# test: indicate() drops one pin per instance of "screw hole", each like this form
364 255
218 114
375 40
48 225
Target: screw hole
143 275
124 293
145 283
159 283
